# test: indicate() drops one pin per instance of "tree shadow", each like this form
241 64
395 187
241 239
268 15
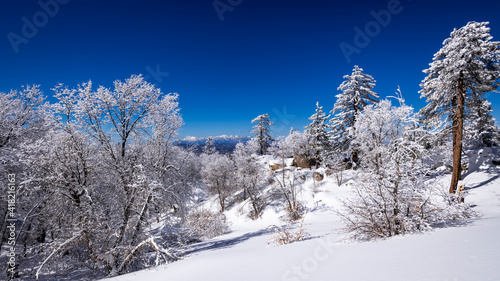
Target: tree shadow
222 244
483 160
486 182
454 223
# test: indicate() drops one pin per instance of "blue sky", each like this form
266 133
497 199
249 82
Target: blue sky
276 57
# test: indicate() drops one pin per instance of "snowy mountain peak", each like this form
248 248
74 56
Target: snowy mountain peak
190 138
222 143
221 137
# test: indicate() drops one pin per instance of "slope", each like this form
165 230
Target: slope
470 251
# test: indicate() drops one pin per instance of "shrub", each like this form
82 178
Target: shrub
203 223
288 234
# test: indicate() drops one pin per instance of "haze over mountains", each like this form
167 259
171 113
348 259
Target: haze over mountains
223 144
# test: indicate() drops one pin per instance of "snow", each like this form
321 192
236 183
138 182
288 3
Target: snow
190 138
221 137
468 251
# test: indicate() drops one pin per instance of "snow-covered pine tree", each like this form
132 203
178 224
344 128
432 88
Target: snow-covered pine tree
481 128
262 131
320 141
357 93
463 70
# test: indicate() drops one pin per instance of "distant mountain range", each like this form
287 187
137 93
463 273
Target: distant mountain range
223 144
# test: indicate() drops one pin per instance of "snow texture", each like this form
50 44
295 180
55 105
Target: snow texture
467 252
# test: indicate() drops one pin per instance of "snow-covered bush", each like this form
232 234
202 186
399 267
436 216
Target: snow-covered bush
378 208
391 196
203 223
291 232
453 208
218 175
296 143
286 181
336 166
250 178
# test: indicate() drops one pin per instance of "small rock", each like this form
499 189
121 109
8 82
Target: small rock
274 167
302 161
317 176
329 172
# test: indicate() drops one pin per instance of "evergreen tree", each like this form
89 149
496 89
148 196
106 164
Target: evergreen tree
357 93
463 70
320 142
262 131
481 128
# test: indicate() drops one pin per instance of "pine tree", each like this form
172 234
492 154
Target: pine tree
262 131
320 142
481 128
463 70
357 93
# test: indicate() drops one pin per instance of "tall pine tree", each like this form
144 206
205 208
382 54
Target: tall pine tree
262 131
357 93
463 70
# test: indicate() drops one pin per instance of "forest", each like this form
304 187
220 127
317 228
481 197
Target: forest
94 184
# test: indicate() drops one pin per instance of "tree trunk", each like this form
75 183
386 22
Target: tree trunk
261 142
457 129
142 218
354 158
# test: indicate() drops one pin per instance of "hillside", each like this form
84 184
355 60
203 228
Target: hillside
469 251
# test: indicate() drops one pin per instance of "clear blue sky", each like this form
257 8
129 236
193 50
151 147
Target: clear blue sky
276 57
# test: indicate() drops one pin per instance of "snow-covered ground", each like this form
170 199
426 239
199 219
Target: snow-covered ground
470 251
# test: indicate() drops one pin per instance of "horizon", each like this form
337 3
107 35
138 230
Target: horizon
231 61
